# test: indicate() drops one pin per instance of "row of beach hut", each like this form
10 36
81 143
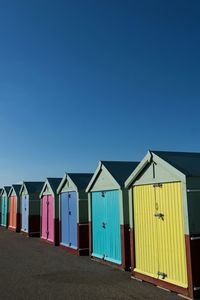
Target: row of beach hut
143 216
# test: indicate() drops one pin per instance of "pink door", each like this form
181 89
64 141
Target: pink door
44 217
48 218
50 221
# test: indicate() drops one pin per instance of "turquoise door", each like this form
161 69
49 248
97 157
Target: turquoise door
98 230
113 236
106 239
4 211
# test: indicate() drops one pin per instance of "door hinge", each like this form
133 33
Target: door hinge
70 244
163 275
70 213
157 185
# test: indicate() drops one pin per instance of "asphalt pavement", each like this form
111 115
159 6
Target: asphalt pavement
33 269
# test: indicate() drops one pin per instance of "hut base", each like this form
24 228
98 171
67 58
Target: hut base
162 284
30 234
49 242
34 234
109 263
83 238
14 229
34 225
79 252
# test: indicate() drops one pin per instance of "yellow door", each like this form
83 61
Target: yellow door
145 230
159 232
171 243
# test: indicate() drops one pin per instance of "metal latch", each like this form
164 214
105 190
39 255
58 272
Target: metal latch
159 215
163 275
157 185
104 224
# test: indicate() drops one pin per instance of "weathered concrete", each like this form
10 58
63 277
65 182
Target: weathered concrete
33 269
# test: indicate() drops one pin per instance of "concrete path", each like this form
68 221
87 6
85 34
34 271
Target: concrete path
33 269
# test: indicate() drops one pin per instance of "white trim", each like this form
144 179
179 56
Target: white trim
46 183
138 169
96 175
193 238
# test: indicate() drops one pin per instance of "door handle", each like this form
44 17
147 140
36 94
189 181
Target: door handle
159 215
104 224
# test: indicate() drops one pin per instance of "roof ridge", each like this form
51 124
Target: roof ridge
175 152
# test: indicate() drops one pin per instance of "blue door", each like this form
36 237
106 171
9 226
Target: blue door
69 219
25 212
106 239
64 219
72 206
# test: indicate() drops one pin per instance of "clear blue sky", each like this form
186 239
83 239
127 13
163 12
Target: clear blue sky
87 80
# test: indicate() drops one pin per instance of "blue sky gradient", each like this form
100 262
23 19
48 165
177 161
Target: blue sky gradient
87 80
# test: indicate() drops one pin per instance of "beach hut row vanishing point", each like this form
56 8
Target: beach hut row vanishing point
139 216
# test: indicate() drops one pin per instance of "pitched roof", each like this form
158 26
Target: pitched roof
7 189
81 180
34 186
17 188
54 183
120 170
186 162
